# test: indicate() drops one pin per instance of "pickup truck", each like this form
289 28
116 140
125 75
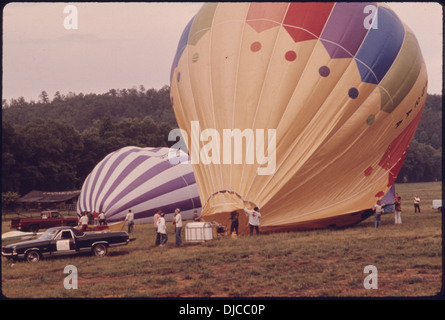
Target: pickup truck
65 241
48 219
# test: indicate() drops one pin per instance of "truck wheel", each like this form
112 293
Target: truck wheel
34 228
32 256
100 250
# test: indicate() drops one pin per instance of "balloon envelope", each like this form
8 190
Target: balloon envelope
339 86
142 180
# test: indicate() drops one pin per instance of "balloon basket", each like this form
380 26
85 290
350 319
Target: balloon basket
204 231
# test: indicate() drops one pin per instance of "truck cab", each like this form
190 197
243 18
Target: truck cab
47 219
49 214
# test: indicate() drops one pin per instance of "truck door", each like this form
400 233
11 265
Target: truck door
64 243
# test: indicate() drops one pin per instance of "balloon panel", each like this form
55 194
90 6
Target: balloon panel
343 99
140 179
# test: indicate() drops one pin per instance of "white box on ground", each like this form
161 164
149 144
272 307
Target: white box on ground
437 204
198 231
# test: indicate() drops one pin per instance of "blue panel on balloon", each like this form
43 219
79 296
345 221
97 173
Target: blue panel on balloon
380 47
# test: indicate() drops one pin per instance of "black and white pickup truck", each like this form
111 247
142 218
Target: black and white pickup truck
65 241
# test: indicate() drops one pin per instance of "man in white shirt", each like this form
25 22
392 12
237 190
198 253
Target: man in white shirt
155 222
177 221
83 221
102 218
378 214
162 229
254 219
130 221
416 204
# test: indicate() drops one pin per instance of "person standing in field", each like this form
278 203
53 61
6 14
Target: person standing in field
130 221
90 217
155 223
102 220
196 218
398 210
254 219
235 222
416 203
83 221
378 209
177 221
96 218
162 229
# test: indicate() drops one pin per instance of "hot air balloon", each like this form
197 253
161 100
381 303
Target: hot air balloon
142 180
319 100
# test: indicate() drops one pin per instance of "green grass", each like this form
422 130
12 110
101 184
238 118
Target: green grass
322 263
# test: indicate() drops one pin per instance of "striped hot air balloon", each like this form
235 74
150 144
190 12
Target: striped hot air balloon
142 180
341 86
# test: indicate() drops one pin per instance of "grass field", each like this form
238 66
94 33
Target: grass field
322 263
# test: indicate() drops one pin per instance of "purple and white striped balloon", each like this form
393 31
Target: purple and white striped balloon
143 180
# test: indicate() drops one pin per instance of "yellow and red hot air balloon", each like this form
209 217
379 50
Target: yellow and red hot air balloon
336 90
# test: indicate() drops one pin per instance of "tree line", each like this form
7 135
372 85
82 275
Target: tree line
53 144
423 162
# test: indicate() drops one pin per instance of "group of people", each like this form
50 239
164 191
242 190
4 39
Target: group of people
161 227
254 220
92 218
378 210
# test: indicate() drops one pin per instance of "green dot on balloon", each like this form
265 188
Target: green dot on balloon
370 120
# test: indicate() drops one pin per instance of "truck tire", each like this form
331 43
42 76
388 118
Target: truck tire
32 256
34 228
100 250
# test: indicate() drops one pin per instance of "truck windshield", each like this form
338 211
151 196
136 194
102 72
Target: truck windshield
48 234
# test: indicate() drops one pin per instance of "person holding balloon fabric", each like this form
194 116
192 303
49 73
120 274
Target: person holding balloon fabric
378 209
254 219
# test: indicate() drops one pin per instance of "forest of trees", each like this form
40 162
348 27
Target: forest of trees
53 144
423 161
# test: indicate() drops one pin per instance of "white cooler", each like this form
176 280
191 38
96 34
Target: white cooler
198 231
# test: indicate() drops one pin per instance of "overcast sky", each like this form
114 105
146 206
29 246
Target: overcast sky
125 45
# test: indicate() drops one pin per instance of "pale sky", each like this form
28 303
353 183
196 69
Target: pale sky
125 45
